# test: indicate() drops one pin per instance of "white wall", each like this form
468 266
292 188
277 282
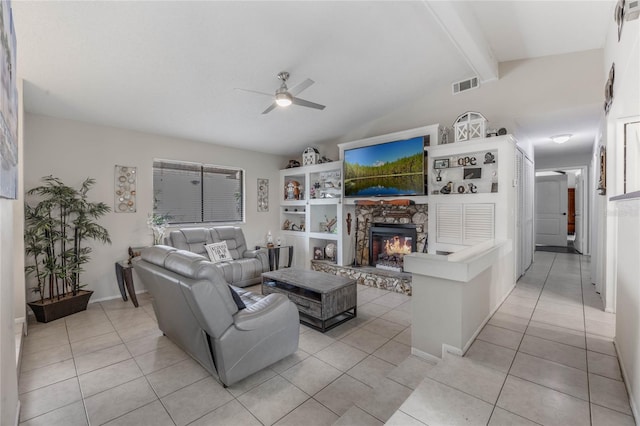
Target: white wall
73 151
620 247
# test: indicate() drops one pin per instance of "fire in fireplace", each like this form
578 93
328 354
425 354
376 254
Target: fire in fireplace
389 242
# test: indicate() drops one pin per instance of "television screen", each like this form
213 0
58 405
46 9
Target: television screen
386 169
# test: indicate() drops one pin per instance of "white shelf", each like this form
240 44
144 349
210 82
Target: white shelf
324 236
325 201
302 213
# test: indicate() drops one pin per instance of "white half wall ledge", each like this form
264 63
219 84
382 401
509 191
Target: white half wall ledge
455 295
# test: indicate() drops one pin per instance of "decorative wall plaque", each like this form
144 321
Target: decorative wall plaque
263 195
125 189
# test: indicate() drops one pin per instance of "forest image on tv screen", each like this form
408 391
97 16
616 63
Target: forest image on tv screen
387 169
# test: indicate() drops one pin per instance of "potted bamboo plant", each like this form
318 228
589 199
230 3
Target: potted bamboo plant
57 227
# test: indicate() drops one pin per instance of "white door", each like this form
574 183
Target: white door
551 210
577 244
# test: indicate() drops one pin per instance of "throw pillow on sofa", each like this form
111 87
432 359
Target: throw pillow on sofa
218 252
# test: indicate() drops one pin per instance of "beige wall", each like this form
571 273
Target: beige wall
73 150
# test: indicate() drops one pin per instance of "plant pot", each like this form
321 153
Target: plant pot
53 309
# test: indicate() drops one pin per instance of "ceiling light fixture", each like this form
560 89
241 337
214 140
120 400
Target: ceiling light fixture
283 98
561 138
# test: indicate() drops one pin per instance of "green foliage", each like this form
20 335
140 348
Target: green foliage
60 219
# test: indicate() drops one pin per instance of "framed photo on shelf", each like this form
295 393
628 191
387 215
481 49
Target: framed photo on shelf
318 253
443 163
473 173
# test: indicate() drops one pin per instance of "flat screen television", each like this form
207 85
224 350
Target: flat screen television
386 169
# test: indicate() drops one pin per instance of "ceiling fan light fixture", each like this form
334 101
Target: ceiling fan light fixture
283 99
561 138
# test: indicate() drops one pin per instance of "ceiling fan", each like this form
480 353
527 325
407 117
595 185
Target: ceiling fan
285 96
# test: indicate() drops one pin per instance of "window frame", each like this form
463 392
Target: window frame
202 167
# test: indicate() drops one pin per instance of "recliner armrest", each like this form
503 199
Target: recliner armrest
272 307
253 253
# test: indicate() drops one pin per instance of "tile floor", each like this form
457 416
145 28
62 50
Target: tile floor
543 357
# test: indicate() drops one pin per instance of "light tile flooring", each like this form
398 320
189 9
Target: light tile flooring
111 365
545 357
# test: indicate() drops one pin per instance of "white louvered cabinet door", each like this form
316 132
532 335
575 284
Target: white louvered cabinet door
449 223
464 224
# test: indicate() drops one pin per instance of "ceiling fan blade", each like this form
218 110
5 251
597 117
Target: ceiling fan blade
254 91
302 102
271 107
300 87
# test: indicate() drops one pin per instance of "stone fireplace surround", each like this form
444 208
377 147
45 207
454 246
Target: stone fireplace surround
399 282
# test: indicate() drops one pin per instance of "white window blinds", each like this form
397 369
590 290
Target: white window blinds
194 193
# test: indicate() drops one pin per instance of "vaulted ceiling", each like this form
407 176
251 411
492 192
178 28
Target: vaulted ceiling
171 68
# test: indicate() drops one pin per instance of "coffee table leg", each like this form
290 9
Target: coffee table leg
290 256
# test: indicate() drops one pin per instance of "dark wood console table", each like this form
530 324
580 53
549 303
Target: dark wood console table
124 275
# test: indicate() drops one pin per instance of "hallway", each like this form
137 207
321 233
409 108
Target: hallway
545 357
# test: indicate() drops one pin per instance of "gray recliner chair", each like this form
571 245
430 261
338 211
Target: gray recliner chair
196 310
247 265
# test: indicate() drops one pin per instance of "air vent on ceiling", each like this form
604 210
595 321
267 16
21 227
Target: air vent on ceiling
464 85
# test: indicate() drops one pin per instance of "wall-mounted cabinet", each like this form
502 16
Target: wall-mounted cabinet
311 213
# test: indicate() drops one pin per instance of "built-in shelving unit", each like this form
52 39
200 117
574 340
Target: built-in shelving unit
311 213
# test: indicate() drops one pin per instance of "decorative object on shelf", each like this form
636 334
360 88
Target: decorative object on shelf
489 158
472 188
494 187
502 131
125 189
444 135
263 195
608 89
447 188
134 252
158 224
602 180
278 241
286 225
472 173
441 164
330 251
492 132
310 156
329 224
56 231
348 223
318 253
468 126
461 189
293 190
269 239
438 176
292 164
324 159
467 161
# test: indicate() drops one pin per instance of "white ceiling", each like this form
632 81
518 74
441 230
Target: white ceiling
171 67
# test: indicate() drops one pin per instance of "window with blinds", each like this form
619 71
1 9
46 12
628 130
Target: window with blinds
195 193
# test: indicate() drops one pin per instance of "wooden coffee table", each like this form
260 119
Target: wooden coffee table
323 300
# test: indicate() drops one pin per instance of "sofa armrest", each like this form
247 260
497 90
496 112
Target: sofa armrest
259 254
272 308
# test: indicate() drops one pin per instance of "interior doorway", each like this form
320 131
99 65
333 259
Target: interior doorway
560 210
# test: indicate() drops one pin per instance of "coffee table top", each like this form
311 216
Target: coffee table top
320 282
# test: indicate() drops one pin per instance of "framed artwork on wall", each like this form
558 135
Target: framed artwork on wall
8 107
263 195
631 156
125 189
602 180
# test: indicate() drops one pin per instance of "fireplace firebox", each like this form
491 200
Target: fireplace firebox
389 242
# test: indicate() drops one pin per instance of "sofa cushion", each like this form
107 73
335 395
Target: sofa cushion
190 239
234 238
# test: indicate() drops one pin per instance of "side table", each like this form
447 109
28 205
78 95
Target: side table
124 275
274 256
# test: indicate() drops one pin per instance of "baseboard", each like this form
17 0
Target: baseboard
484 322
424 355
448 349
625 377
104 299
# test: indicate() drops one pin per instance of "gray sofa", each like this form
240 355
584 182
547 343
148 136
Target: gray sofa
247 265
196 310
